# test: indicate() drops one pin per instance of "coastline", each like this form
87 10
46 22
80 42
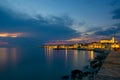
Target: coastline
110 69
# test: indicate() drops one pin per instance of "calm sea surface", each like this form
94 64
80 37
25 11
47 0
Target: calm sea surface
35 63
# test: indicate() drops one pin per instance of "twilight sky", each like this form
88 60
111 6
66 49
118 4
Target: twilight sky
60 19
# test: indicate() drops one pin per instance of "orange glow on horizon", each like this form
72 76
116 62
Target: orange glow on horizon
13 35
3 35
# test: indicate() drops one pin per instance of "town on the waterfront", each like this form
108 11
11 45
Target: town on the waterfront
68 44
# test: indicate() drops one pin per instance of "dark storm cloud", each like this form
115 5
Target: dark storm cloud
116 14
52 27
116 11
115 2
110 31
115 28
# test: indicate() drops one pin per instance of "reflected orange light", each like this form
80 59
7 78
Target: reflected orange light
92 55
75 57
3 56
49 55
14 55
66 55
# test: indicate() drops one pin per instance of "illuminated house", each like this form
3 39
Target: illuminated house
96 45
115 45
61 45
111 41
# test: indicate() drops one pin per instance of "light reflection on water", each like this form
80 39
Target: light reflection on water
77 59
91 55
6 55
49 54
3 56
20 63
14 55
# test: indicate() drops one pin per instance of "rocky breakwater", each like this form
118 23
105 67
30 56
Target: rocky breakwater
111 68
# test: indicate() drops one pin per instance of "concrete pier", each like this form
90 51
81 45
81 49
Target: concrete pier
110 69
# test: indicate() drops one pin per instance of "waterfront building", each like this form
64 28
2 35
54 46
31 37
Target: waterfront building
96 45
66 44
115 45
61 45
75 46
111 41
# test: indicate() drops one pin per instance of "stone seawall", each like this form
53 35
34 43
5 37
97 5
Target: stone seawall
110 69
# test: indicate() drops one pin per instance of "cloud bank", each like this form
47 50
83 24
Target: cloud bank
51 27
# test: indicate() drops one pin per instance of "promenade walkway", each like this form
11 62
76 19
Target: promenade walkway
111 68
